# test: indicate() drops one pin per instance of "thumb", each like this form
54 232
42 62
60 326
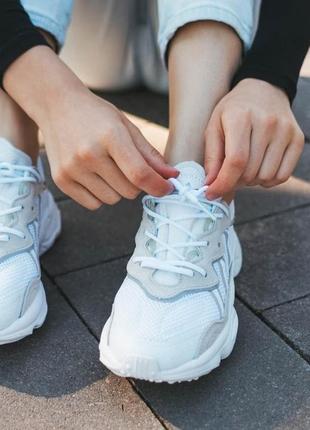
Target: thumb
214 148
150 154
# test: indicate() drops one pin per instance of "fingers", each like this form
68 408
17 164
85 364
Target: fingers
214 147
109 172
77 192
237 130
150 154
87 188
289 161
99 188
281 156
260 138
134 166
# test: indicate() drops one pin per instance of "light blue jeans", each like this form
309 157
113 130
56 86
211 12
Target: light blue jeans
113 43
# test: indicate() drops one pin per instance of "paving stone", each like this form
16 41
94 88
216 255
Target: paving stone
264 385
276 259
110 405
54 380
254 203
92 237
293 321
59 358
92 291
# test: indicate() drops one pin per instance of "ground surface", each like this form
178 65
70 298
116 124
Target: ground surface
53 380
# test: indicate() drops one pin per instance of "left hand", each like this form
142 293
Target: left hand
252 139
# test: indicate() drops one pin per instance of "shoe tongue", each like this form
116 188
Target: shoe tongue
192 175
10 154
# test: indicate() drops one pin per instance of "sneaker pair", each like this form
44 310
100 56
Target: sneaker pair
173 318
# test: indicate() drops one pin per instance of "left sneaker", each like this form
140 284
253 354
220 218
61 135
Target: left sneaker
173 318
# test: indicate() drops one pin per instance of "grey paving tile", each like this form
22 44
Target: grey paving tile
254 203
92 237
293 321
53 380
276 259
108 405
92 291
263 385
301 105
60 358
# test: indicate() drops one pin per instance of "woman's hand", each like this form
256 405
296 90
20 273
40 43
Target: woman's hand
96 154
252 139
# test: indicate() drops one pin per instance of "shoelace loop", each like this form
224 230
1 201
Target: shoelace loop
185 197
10 173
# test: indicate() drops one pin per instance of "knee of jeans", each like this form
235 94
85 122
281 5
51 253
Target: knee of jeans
53 16
241 16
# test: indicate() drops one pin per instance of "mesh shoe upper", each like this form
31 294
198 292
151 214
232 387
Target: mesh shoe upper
168 316
18 231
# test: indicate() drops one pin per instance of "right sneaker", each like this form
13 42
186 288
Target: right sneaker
173 318
29 225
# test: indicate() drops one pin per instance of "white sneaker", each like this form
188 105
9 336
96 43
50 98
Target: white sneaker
29 224
173 318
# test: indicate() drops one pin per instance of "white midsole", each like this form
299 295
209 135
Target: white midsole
32 318
194 368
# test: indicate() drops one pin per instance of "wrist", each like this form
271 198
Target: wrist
39 82
260 84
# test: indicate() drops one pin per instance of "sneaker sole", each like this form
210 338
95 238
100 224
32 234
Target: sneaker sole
147 368
33 318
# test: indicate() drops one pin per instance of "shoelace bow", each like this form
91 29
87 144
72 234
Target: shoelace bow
186 198
8 175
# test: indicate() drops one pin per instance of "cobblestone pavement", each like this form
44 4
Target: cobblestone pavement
53 380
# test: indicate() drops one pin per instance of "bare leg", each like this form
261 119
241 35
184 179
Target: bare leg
203 57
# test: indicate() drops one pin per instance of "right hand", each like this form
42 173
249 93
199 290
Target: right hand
98 156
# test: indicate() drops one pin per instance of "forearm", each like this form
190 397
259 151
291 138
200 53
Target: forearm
38 81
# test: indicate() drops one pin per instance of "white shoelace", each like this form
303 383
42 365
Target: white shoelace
187 198
8 175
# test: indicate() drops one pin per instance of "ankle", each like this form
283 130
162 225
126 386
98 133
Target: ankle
181 148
